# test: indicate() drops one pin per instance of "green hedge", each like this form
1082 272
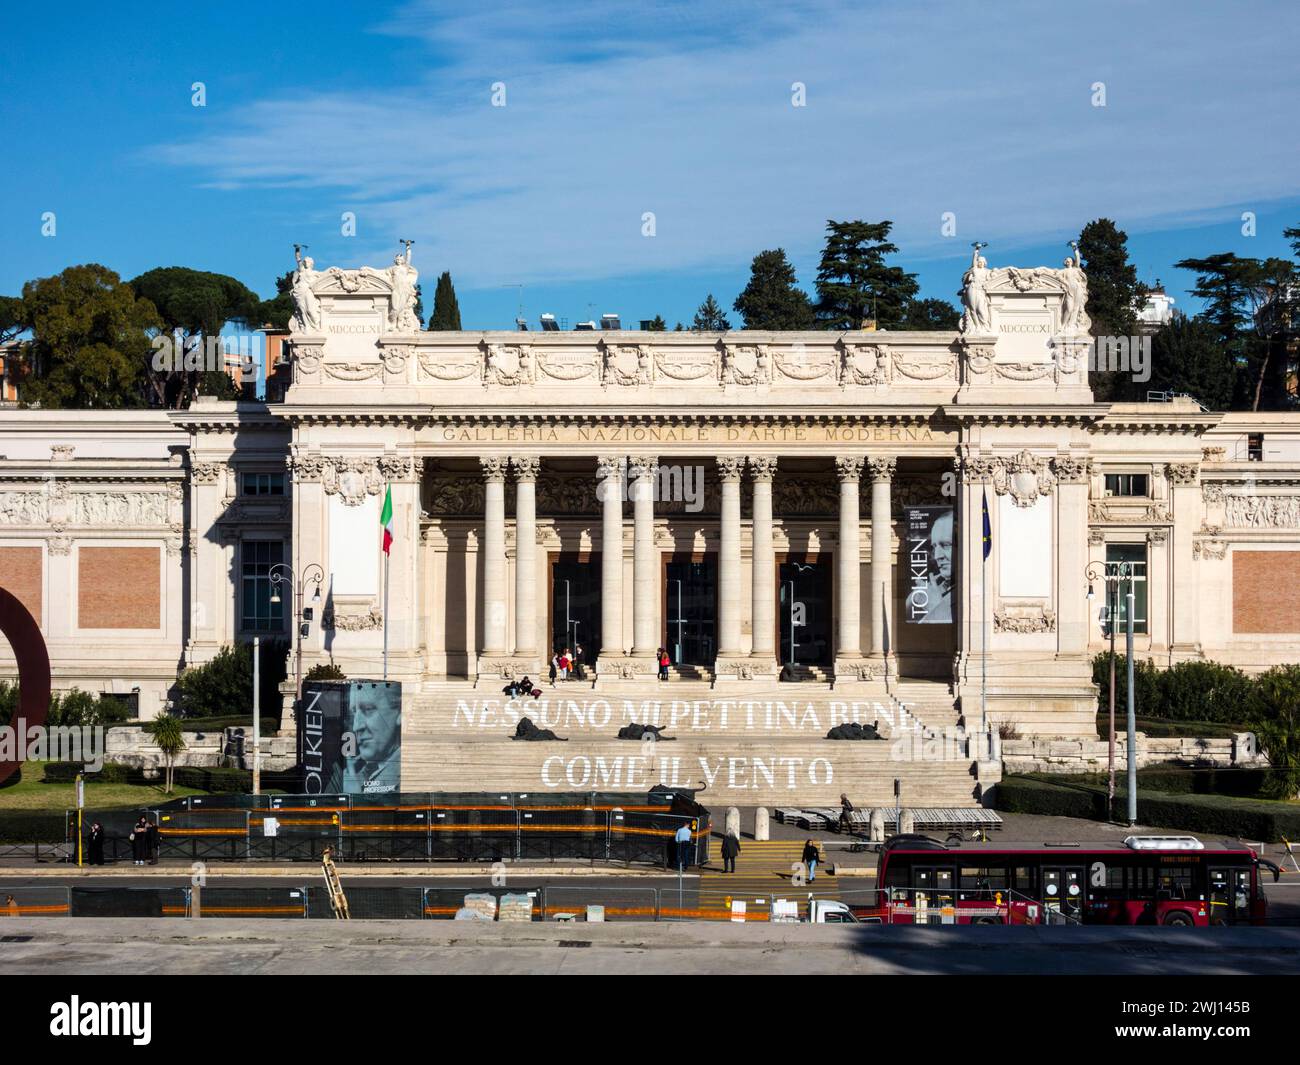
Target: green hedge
109 773
1214 815
216 780
26 826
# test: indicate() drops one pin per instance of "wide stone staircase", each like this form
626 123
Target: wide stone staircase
746 744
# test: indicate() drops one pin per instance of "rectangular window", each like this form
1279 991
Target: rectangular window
258 613
1127 484
261 484
1135 555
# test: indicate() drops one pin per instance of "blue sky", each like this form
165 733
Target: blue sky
611 111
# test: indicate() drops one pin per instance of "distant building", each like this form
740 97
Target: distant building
1157 311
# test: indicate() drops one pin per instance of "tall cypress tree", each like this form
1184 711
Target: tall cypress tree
1114 297
446 311
854 284
709 318
771 300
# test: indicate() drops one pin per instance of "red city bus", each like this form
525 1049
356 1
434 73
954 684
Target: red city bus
1164 880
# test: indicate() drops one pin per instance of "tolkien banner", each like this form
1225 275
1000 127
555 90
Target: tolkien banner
350 737
928 546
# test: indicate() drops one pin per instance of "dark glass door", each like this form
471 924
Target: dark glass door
691 593
804 607
575 608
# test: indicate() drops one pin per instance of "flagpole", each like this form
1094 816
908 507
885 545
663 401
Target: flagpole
385 615
985 543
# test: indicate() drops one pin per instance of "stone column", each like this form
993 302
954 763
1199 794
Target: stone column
848 564
730 468
645 561
882 547
1071 556
763 566
1187 507
526 469
610 490
494 557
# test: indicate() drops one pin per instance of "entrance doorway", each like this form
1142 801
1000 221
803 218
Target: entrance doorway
575 606
804 613
690 610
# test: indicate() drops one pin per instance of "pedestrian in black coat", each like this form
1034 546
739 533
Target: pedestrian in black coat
730 849
96 847
140 841
153 842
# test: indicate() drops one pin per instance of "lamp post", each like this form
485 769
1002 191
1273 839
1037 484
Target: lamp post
282 573
1112 575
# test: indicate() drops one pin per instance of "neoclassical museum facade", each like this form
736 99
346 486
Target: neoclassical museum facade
804 506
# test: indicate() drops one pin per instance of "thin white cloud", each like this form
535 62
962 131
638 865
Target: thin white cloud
684 110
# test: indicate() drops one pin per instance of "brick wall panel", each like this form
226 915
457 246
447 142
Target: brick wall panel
21 575
118 588
1265 591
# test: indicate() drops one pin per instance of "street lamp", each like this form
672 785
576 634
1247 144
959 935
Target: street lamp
1112 575
282 573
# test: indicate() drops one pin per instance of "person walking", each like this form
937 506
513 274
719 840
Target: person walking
811 856
96 845
846 808
140 841
11 906
566 663
664 662
555 666
730 850
578 672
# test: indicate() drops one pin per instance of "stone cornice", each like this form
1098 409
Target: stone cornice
1025 413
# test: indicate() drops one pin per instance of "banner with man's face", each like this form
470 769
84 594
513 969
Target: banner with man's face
350 735
928 555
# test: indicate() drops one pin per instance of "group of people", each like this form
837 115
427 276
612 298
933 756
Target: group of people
523 686
565 662
144 839
663 661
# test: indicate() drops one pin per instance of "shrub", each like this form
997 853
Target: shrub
1204 691
1273 712
324 671
70 708
224 686
1147 695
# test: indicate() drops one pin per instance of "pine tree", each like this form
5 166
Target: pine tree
1115 295
1187 357
930 314
854 284
446 311
709 318
657 325
771 300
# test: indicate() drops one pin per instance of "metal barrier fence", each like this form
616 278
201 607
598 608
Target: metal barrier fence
530 903
375 828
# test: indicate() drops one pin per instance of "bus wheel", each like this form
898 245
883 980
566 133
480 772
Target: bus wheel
986 920
1178 918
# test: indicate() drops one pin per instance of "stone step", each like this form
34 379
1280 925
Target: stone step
597 714
734 771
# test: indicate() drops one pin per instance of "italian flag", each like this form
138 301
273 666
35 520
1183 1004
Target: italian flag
386 519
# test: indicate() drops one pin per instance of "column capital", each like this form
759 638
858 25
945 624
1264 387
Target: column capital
977 470
730 467
609 467
1182 473
640 466
494 469
762 467
849 467
881 468
526 467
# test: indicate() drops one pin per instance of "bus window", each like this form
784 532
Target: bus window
1177 883
1022 880
980 882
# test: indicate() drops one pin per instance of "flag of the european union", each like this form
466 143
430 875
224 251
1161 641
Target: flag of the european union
988 529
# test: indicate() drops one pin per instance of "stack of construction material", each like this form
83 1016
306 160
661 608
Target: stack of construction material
483 905
516 908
